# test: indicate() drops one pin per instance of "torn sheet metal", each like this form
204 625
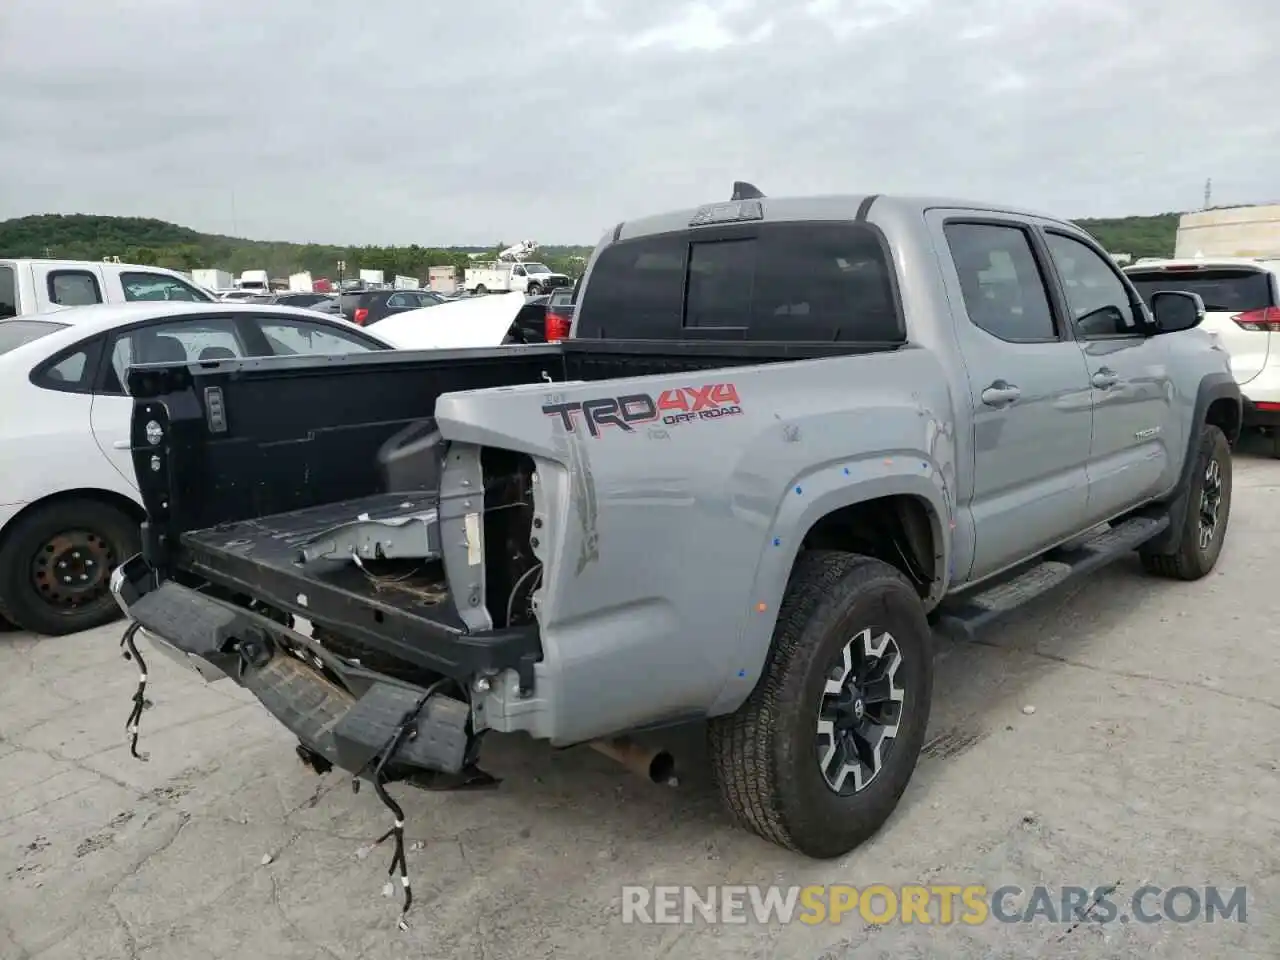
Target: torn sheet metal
415 536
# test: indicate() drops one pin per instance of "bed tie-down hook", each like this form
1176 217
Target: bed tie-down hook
129 650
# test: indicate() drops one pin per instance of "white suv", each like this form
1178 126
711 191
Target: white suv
1242 303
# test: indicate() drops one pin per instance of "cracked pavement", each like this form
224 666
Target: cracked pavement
1152 756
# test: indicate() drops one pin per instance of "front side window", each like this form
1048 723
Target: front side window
1004 291
1096 297
173 341
73 288
157 286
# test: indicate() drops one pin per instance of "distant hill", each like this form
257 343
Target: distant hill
1140 236
157 242
142 240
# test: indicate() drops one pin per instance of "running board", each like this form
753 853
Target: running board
969 613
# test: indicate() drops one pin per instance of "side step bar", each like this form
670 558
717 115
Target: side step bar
969 613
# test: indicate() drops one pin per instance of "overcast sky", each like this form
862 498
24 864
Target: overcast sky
435 122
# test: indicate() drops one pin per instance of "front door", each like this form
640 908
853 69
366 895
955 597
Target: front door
1137 440
1029 391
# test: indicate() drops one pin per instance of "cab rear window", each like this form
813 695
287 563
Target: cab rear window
811 282
16 333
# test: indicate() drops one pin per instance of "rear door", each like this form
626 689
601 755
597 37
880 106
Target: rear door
1234 295
1028 387
169 340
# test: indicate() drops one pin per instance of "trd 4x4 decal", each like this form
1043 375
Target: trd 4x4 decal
672 407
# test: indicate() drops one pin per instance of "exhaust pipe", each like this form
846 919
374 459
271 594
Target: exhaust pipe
655 765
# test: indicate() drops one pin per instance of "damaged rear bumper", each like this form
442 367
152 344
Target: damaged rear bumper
341 712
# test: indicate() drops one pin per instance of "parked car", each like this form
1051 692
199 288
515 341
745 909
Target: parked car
783 437
39 286
559 317
69 507
367 307
301 299
1242 300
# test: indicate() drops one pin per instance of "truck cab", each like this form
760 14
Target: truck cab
40 286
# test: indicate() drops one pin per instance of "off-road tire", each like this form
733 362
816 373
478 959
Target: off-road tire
764 757
21 602
1187 561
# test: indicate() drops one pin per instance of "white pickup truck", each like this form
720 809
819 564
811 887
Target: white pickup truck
39 286
498 276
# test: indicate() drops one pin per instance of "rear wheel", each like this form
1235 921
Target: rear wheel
818 756
56 563
1208 508
481 290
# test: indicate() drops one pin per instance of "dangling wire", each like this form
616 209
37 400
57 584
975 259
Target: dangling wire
140 701
379 777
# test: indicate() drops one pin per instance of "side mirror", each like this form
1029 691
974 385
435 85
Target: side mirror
1176 310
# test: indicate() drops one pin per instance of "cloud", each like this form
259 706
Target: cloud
403 122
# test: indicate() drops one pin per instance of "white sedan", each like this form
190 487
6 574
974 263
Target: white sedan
69 502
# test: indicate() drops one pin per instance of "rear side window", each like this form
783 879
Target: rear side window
785 281
8 292
73 288
1003 287
15 333
1229 290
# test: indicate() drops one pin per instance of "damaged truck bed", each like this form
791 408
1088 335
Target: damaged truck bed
784 437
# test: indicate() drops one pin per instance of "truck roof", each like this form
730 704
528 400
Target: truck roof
827 207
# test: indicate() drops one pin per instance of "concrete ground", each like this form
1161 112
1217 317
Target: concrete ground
1152 756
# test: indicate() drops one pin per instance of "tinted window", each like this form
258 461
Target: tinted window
14 333
69 372
562 297
292 337
1222 290
157 286
427 300
1004 290
73 288
401 301
791 281
824 281
8 292
636 290
1096 297
175 341
721 280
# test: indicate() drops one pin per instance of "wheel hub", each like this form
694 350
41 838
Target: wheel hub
1210 503
72 569
860 712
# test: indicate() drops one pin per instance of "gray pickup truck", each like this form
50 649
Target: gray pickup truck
787 439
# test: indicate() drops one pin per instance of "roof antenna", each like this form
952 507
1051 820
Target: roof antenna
746 191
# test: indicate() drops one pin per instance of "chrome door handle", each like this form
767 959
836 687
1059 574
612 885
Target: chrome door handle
1000 393
1105 379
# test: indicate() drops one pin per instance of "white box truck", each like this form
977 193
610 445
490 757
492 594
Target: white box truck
217 281
372 278
405 283
254 281
300 282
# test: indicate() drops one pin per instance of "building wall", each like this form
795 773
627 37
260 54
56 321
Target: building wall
1231 232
